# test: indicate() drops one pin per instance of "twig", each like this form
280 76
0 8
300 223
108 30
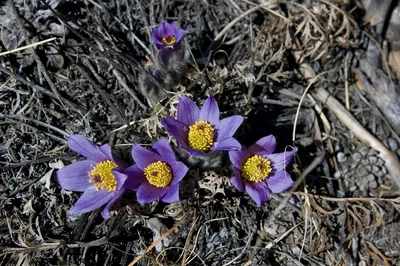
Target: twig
301 100
316 161
32 45
243 250
346 81
40 123
126 87
185 249
39 63
102 93
157 241
391 161
320 197
46 91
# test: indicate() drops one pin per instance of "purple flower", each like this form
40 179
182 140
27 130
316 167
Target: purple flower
200 131
167 35
259 171
100 177
156 174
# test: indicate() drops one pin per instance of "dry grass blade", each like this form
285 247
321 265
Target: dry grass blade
391 161
158 241
32 45
301 101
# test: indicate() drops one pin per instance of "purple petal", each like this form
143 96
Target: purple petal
210 111
176 129
161 30
237 180
264 146
106 212
188 112
238 158
84 147
172 194
280 161
143 157
75 177
135 177
179 171
148 193
179 35
91 200
258 192
163 148
228 126
120 178
106 149
154 34
227 144
279 182
169 30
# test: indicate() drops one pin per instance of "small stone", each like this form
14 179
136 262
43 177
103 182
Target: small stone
373 160
375 169
370 177
371 152
353 188
393 145
384 170
337 174
362 186
372 194
341 157
356 157
337 147
345 171
368 168
364 151
373 184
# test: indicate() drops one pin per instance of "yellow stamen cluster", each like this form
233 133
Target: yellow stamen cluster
256 169
201 136
102 176
159 174
169 40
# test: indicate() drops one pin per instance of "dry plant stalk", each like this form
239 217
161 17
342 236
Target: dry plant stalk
158 241
323 96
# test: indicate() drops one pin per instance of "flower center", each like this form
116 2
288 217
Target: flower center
168 40
201 136
256 169
102 176
159 174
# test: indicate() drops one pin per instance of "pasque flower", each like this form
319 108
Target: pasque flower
156 174
100 177
201 131
259 171
167 35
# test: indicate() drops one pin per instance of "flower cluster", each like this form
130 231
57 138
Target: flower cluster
103 176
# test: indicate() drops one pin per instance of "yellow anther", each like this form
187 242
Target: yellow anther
159 174
102 176
256 169
168 40
201 136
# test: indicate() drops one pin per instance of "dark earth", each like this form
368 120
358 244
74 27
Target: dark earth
325 72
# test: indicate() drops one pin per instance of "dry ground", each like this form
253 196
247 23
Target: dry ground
327 70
